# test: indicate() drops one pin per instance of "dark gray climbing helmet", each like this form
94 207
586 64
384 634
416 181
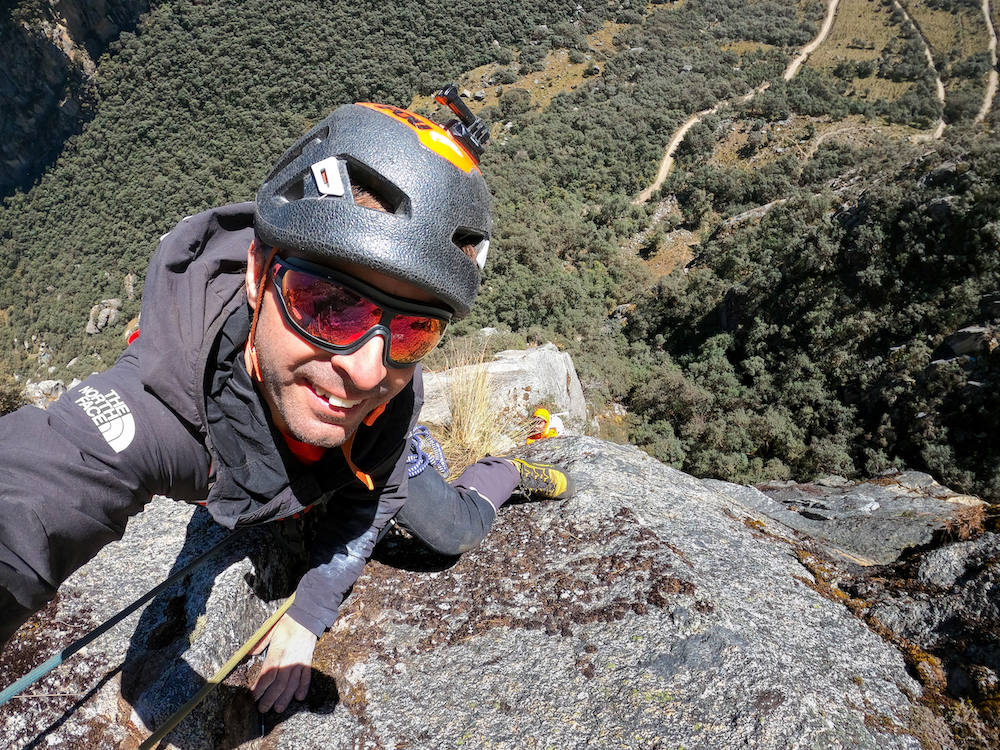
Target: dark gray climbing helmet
429 179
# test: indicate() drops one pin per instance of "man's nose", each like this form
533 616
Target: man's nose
365 368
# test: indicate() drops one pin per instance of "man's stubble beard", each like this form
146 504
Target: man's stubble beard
270 385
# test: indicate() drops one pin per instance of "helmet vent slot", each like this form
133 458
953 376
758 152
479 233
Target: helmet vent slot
474 244
296 151
295 188
374 192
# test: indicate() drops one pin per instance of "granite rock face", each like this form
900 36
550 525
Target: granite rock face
649 611
874 522
133 677
520 380
942 606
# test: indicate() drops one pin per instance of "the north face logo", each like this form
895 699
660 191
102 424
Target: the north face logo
111 415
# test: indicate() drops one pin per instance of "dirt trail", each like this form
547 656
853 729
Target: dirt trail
939 128
668 156
793 67
991 84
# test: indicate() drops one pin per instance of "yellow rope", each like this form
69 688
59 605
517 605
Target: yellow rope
154 739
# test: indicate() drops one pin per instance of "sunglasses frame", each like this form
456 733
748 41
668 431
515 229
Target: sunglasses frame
389 305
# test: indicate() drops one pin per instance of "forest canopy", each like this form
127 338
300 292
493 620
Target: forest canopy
803 340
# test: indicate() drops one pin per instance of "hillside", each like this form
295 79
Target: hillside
46 94
798 340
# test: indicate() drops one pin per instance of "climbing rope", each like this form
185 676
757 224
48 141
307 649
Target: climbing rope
215 680
419 457
55 660
154 739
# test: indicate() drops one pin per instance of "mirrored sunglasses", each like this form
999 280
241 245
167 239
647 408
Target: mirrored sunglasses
339 314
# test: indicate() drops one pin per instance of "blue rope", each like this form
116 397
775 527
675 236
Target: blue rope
419 459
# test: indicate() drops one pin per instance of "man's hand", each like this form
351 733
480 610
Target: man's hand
287 667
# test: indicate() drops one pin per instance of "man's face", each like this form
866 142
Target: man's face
315 396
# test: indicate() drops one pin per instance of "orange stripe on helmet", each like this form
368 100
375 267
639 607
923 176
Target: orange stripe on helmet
431 135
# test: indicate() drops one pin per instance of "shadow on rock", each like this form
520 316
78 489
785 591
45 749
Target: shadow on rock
172 649
399 549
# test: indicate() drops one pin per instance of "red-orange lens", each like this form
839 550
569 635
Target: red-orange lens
413 337
327 310
337 315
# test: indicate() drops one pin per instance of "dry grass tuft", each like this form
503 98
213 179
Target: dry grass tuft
479 424
967 523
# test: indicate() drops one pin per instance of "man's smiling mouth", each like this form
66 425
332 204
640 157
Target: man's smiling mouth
335 401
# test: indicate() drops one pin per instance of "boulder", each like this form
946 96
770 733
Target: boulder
650 610
971 341
875 522
989 306
103 314
43 393
519 381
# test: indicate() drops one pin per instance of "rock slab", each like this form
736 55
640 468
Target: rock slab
874 522
649 611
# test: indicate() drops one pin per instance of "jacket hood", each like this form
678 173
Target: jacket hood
194 282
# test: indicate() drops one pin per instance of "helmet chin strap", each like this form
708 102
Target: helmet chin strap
250 350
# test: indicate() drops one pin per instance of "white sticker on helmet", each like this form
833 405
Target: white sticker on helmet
484 248
327 176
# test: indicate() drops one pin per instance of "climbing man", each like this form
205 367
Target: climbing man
277 371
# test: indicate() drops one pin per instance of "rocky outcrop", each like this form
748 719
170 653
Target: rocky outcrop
875 522
518 381
43 393
941 608
650 610
971 341
48 52
105 313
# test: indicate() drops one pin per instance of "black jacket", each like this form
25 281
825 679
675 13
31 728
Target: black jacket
178 415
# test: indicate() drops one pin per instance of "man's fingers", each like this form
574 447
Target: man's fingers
294 680
280 692
280 686
275 690
264 679
304 677
270 670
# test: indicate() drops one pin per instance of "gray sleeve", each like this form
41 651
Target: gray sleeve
350 527
71 476
447 519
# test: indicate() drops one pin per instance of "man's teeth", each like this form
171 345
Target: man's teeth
342 403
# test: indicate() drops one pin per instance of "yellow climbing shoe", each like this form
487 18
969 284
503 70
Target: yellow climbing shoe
544 480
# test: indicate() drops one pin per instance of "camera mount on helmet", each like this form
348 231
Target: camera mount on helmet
470 130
